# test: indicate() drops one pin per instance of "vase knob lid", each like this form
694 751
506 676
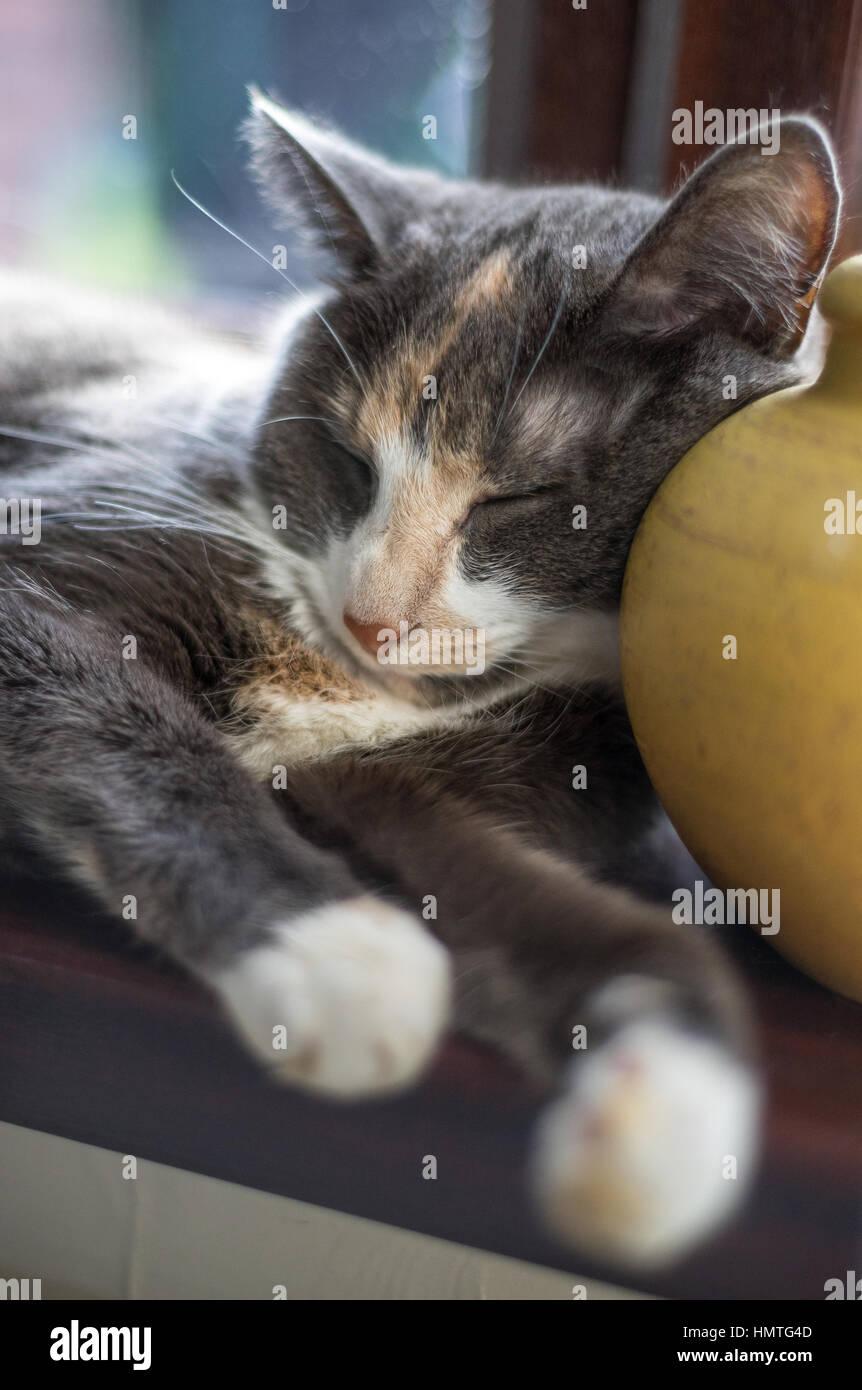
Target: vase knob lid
841 297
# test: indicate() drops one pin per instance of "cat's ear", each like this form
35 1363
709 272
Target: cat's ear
353 203
742 247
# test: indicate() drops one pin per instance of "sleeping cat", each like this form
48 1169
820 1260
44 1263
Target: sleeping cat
459 436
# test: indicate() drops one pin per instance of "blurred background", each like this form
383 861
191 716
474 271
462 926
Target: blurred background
101 99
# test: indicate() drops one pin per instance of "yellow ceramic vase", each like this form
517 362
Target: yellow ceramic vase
742 650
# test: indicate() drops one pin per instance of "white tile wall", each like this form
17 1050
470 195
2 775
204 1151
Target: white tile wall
68 1217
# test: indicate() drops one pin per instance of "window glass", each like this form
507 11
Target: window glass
101 99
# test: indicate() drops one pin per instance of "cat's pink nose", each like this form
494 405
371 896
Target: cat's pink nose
366 633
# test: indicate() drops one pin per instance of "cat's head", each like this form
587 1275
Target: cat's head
466 430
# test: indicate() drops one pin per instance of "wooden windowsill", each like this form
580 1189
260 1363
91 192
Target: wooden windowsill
101 1042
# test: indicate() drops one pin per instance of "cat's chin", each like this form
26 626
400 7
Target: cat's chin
421 687
429 688
408 688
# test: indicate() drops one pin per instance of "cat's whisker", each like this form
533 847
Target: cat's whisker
285 419
221 446
509 380
34 437
142 519
542 349
109 449
39 588
190 511
314 204
254 250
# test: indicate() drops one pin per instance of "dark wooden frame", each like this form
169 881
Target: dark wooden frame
588 94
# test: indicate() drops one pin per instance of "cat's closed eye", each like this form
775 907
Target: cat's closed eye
350 467
502 501
360 465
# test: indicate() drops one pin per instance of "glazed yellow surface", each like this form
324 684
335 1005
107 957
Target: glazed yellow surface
758 760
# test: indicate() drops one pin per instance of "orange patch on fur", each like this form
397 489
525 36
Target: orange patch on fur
491 281
402 580
405 579
398 385
284 660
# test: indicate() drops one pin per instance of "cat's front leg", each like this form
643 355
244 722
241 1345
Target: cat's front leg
113 772
653 1139
637 1025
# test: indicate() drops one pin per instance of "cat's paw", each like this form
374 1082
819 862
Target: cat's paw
650 1147
349 999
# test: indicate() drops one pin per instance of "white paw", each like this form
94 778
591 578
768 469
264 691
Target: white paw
349 999
634 1162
